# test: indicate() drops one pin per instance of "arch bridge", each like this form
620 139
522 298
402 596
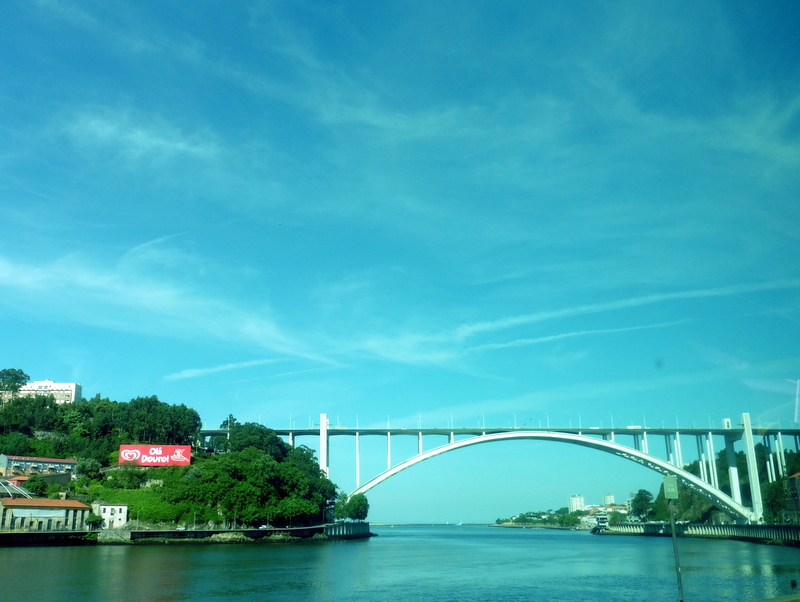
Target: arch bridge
633 443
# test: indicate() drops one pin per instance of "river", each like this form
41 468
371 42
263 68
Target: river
445 562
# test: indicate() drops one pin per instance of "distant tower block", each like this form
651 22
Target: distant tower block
608 499
576 502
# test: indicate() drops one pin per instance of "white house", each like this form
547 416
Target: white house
115 516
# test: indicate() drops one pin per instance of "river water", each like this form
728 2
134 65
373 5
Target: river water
446 562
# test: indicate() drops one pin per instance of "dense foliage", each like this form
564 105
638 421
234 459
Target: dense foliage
258 478
354 507
12 379
550 518
92 428
241 488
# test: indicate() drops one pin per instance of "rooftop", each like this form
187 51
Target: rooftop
19 502
32 459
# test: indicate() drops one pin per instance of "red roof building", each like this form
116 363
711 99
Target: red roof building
25 514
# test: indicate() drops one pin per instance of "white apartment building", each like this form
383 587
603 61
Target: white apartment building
63 392
115 516
576 502
608 499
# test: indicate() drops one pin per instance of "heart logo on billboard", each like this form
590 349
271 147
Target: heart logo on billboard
129 455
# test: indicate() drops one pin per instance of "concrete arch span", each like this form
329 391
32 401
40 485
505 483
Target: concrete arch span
718 498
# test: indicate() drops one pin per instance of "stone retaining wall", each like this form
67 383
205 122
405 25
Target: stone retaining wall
787 534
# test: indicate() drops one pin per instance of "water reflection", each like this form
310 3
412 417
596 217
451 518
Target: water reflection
409 563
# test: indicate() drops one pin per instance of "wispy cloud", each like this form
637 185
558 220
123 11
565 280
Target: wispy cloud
567 335
447 345
197 372
124 300
468 330
137 136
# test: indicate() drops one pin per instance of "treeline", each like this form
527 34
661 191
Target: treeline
558 518
244 487
93 428
693 507
250 477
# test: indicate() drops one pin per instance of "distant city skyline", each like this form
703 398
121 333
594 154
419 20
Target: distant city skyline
441 212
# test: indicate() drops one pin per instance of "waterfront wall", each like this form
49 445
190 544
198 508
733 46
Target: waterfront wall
45 538
353 530
347 530
788 534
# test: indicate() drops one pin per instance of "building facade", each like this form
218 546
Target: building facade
608 499
63 392
576 502
24 465
115 516
25 514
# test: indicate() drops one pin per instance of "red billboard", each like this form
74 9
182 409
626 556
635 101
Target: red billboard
155 455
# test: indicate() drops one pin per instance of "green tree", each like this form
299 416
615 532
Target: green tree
251 434
93 521
355 507
15 444
642 504
776 499
614 517
89 467
36 485
12 380
229 422
358 507
571 519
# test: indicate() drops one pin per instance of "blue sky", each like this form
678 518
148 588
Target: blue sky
410 211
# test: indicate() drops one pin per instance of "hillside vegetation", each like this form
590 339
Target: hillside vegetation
252 477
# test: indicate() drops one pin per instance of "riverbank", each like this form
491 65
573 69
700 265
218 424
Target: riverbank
532 526
781 535
328 532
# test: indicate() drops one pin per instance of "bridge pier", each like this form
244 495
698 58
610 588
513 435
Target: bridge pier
752 467
358 462
712 461
701 455
733 470
323 444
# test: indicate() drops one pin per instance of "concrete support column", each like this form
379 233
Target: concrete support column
323 444
712 461
752 468
678 454
770 468
781 452
358 463
644 443
668 445
419 442
388 450
701 456
733 471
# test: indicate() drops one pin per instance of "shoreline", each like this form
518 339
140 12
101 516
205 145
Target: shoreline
315 533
